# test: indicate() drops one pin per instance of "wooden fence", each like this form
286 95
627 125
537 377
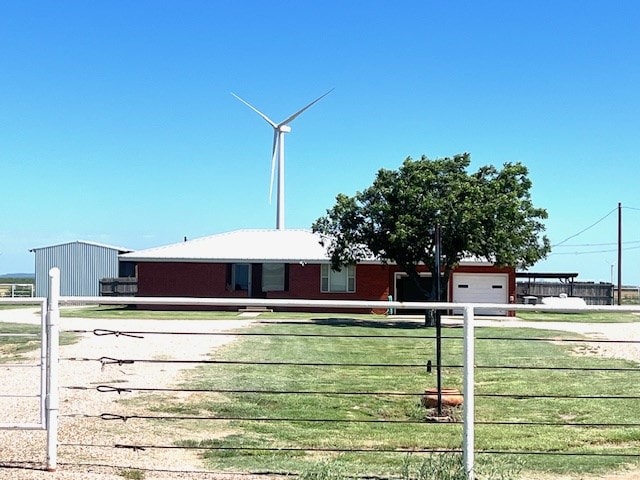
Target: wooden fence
592 293
118 287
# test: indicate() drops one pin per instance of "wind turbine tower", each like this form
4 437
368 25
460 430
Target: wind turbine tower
277 154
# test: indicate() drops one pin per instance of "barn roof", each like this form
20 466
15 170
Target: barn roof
240 246
85 242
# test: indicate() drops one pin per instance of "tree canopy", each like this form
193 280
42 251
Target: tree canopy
487 214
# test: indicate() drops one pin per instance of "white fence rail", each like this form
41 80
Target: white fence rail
16 290
51 331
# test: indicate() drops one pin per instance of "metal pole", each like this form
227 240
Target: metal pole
280 206
619 253
468 436
53 344
436 278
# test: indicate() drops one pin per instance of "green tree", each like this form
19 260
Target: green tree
487 214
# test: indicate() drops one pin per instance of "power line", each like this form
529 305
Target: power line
585 229
598 244
588 252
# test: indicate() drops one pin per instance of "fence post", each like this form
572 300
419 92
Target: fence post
468 442
44 345
53 344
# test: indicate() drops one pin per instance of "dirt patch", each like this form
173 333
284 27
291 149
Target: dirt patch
620 475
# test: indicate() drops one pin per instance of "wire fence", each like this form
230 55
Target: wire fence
422 369
287 394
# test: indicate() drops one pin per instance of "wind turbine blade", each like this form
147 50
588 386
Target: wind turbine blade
293 117
269 121
276 146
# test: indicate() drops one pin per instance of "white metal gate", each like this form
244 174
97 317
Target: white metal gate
47 377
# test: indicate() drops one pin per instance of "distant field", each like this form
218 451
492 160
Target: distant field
30 280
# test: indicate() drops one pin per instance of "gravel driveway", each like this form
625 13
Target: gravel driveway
23 453
26 450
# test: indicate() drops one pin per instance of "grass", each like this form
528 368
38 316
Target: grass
411 431
23 338
587 317
119 311
131 474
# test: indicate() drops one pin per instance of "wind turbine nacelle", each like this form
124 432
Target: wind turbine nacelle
284 128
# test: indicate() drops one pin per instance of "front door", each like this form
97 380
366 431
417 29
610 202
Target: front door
408 291
241 277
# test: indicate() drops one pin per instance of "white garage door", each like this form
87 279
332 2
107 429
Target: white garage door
481 288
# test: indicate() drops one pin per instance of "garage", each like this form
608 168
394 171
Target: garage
481 288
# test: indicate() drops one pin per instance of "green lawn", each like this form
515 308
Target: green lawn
353 418
119 311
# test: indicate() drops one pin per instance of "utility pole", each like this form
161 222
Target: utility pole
619 253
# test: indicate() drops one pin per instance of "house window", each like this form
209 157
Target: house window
273 277
240 275
343 280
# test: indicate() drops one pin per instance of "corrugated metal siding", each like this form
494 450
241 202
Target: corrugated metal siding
81 267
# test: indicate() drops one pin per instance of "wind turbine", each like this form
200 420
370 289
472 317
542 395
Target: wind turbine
279 129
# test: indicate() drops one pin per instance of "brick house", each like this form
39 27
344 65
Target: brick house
291 264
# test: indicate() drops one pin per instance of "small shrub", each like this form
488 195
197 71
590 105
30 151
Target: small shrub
131 474
449 466
441 466
497 468
324 471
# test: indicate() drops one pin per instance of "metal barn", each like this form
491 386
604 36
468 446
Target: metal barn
82 265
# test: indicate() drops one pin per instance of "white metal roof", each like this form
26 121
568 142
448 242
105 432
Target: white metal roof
240 246
85 242
260 246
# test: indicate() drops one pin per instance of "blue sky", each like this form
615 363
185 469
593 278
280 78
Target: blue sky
117 124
